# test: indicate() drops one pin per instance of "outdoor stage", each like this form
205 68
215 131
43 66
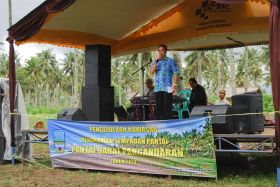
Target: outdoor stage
240 143
193 28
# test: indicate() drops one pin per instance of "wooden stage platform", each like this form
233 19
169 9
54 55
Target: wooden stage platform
247 143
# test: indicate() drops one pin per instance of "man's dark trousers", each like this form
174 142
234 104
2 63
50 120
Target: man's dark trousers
163 105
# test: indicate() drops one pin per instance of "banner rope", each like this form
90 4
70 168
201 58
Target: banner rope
30 161
243 114
209 113
41 154
20 114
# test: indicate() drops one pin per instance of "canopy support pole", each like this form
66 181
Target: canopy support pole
274 47
12 89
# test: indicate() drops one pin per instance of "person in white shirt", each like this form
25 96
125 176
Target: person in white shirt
222 100
149 90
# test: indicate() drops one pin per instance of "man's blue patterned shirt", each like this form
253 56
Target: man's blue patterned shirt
166 69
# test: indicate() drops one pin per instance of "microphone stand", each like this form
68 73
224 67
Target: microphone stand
142 68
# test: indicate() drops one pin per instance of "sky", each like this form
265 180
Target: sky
21 8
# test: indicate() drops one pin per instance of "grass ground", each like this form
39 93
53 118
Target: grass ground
40 114
233 171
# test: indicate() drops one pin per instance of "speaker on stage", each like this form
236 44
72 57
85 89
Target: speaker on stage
72 114
248 103
120 113
98 103
221 123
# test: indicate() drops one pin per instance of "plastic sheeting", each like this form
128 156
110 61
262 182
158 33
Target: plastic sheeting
21 121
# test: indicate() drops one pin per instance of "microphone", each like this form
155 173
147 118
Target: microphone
151 60
134 96
157 60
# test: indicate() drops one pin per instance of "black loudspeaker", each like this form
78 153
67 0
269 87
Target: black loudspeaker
221 123
98 103
98 65
121 113
248 103
71 114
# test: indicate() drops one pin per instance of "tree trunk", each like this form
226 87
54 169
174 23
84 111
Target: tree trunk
120 85
178 59
28 97
232 72
76 72
39 97
199 67
256 81
82 82
56 95
246 60
219 60
36 96
47 95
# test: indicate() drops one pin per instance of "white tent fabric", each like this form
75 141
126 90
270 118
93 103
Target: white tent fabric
21 121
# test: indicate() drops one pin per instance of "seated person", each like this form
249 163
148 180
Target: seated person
198 95
222 100
149 90
133 111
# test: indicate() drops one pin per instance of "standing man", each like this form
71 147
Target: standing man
198 96
165 71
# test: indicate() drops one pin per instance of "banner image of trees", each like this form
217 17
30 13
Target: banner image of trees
199 151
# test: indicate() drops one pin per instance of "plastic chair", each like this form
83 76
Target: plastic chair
185 108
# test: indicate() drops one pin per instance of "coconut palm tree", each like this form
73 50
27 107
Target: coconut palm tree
232 70
246 61
4 63
73 69
252 71
49 67
264 57
138 60
178 59
34 70
195 65
76 78
80 75
222 68
116 78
